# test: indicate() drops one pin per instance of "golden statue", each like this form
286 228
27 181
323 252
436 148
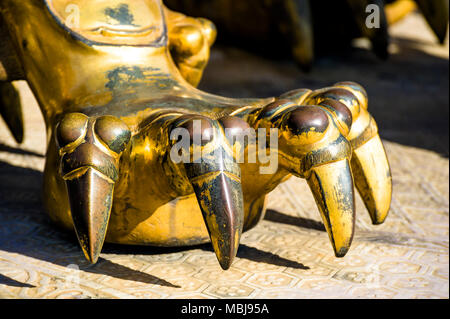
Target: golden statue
115 82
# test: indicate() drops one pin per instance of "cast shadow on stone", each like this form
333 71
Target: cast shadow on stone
4 280
261 256
244 252
277 217
14 150
109 268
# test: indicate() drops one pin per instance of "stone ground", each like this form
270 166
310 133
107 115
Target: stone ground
288 255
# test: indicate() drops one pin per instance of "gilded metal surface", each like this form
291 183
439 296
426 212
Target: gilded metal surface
114 86
305 28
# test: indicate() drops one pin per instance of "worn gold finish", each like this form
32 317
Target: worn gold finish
115 82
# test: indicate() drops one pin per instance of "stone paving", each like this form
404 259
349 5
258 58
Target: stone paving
288 255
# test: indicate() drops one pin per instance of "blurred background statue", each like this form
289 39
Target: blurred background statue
306 28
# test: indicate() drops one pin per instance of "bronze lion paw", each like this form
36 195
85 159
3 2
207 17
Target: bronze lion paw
137 155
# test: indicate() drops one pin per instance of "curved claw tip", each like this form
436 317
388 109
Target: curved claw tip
216 181
90 196
332 187
90 255
341 252
373 179
220 199
225 264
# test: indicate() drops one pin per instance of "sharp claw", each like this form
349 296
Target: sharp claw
11 110
436 13
332 187
220 198
90 196
369 163
217 186
90 150
372 176
315 149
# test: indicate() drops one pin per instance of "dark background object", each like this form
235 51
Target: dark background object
408 93
304 29
271 28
